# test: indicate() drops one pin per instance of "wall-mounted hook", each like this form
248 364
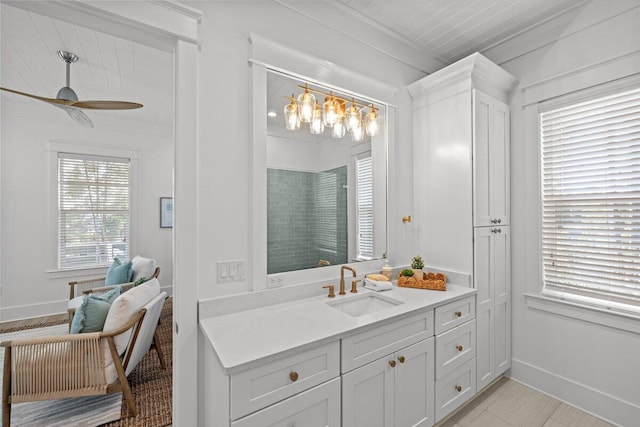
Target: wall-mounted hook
406 219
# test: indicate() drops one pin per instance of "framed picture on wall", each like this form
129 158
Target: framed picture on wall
166 212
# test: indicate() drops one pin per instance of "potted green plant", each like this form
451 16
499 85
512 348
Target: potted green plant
417 264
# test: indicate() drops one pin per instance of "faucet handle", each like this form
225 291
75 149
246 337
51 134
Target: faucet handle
354 286
331 290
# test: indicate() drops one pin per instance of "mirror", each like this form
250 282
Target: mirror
326 195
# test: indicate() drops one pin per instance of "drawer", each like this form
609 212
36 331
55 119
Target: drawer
455 347
455 389
318 407
455 313
365 347
266 384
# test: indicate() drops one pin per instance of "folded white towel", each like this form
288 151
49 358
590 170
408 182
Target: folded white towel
376 285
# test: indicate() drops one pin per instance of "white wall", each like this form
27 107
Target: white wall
588 364
224 189
28 252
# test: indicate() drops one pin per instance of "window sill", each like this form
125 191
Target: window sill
70 274
599 316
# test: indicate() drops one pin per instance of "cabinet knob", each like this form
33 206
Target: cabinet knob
458 314
458 388
392 363
459 347
498 221
401 359
293 376
494 221
499 230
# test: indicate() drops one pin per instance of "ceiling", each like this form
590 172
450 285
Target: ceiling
453 29
109 68
116 69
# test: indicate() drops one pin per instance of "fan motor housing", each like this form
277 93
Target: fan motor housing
67 94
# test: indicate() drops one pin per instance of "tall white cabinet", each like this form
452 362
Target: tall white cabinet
461 183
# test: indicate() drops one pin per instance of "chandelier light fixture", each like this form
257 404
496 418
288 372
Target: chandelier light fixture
338 114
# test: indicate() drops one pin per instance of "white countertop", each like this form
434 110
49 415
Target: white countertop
245 339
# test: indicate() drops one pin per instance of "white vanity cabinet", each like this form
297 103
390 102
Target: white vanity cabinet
405 369
396 388
462 192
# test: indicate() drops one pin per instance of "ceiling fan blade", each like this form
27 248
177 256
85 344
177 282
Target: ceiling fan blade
54 101
77 115
106 105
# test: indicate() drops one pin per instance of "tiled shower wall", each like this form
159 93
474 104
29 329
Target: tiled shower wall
307 218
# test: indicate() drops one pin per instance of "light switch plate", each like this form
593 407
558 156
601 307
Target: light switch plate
231 270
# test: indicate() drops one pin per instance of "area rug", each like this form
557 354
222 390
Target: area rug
86 411
151 386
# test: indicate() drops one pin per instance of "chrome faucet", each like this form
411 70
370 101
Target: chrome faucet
342 269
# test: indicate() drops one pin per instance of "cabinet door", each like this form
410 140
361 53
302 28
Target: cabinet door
484 304
414 385
368 395
317 407
492 279
491 158
502 299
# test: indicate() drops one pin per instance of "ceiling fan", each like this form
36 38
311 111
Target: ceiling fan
68 100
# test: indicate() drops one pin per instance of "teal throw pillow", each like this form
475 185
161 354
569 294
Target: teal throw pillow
110 296
119 273
90 316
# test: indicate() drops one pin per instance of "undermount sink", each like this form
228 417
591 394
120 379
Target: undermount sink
364 304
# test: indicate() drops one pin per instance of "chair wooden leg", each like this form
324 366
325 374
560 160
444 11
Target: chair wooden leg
126 390
156 345
6 388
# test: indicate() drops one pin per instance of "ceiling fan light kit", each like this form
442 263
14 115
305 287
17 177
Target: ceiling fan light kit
67 99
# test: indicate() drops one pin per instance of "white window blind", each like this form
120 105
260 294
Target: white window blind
93 210
364 207
590 232
326 212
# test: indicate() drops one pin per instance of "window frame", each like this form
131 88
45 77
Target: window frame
535 298
56 147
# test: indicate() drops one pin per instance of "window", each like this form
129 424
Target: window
590 189
364 207
93 210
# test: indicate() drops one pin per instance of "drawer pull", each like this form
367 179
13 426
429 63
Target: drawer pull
401 359
458 388
458 313
459 347
293 376
392 363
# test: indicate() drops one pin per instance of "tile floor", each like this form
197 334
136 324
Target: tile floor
508 403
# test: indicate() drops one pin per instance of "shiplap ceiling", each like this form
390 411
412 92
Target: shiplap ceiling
452 29
116 69
109 68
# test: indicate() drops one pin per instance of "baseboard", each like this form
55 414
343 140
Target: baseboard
602 405
29 311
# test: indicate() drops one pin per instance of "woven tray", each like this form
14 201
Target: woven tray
432 281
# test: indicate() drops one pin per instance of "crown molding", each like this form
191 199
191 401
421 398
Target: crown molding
287 60
477 70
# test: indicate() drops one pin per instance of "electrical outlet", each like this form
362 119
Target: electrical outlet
275 281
